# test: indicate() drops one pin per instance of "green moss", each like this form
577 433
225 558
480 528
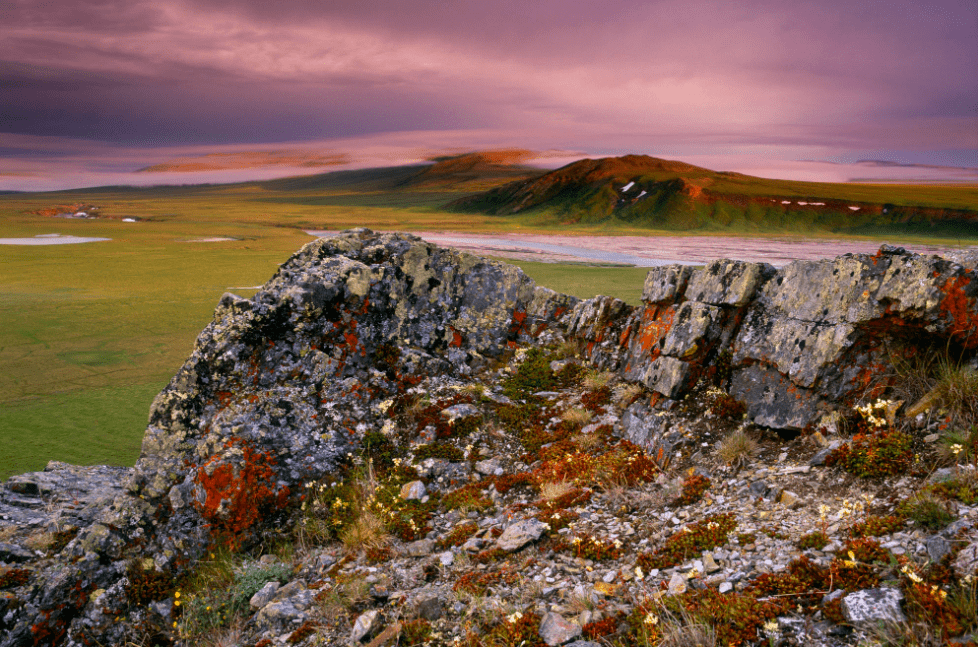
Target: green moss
532 375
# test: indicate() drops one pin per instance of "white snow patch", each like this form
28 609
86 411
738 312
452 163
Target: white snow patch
128 220
641 194
817 204
854 208
786 202
627 186
50 239
802 203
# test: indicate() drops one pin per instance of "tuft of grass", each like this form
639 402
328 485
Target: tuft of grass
737 448
594 380
348 594
958 446
568 349
551 490
626 393
926 510
366 532
956 391
587 442
577 417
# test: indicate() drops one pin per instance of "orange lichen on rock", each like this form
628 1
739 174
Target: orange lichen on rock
654 326
238 491
961 310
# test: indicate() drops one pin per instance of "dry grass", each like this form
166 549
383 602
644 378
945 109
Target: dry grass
957 392
554 489
568 349
737 448
230 637
904 634
594 380
686 633
365 532
626 393
587 442
336 604
38 541
577 417
476 389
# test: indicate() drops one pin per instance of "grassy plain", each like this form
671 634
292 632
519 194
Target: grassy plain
90 333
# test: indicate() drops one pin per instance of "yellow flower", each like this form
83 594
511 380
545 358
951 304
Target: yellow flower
177 594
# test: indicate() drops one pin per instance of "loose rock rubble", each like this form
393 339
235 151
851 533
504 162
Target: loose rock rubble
397 444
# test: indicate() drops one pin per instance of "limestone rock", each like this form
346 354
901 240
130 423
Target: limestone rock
666 283
726 282
367 623
264 595
871 606
12 553
966 561
413 491
555 630
520 534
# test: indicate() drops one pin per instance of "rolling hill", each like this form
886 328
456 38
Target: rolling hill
660 194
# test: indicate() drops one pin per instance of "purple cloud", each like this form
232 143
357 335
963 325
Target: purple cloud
816 78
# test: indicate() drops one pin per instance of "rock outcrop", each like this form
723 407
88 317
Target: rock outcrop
282 389
796 341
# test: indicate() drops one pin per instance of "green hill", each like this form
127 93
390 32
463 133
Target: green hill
659 194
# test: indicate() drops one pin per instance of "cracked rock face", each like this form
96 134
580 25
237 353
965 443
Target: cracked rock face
811 334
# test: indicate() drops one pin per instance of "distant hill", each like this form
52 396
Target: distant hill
477 171
663 194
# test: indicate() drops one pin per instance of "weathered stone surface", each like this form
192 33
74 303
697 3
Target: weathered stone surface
872 606
555 630
649 430
666 283
823 324
12 553
367 623
61 495
694 326
265 595
413 491
668 375
460 411
772 399
727 282
430 606
966 561
520 534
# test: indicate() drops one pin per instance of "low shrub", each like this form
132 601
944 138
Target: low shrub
874 455
817 540
691 540
694 487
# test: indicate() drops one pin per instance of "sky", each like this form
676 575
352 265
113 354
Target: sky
92 90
